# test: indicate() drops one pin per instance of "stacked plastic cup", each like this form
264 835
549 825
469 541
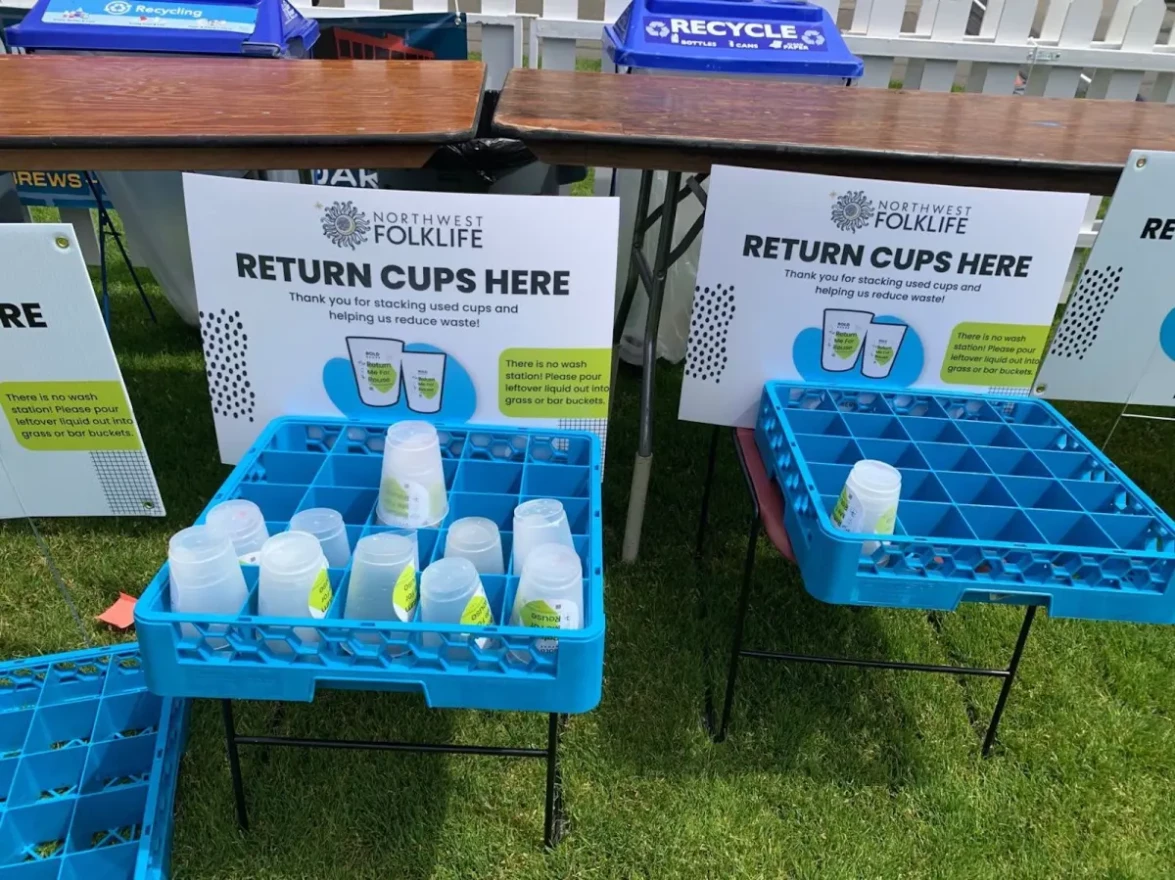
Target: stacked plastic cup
550 593
242 521
412 486
293 582
451 592
206 576
477 539
328 527
383 579
537 522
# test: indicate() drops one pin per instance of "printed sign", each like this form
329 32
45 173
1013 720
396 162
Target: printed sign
56 189
709 33
1116 341
69 443
401 305
172 16
869 282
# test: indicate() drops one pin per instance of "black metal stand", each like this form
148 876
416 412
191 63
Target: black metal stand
554 822
737 650
106 228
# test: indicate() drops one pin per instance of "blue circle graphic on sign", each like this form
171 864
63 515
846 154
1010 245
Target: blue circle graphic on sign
1167 335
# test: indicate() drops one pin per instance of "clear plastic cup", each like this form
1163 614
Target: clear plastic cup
451 592
327 526
412 491
205 574
243 522
383 579
294 582
477 539
537 522
550 593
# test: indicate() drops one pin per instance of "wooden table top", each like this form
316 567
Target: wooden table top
128 112
688 124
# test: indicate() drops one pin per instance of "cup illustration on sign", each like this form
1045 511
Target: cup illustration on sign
424 380
844 335
881 349
376 363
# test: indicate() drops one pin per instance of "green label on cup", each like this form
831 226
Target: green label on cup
381 377
394 497
539 614
405 594
429 387
320 595
882 355
477 612
842 505
885 522
844 344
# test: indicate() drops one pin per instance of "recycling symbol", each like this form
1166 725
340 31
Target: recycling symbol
812 37
657 29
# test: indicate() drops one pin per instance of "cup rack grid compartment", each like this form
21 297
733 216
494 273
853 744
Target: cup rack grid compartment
298 463
88 768
1002 500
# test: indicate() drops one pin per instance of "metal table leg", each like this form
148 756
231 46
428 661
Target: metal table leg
643 465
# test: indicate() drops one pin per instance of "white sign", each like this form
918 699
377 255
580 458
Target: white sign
1116 341
835 280
399 305
69 443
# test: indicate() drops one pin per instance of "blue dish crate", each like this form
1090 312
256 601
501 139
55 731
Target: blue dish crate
299 463
89 761
1002 500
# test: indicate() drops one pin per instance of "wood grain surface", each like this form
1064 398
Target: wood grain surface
74 108
690 123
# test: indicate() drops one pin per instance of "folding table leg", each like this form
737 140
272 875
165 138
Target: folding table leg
638 245
1005 689
643 465
736 647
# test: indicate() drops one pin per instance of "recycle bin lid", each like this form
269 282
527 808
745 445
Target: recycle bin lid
768 37
266 28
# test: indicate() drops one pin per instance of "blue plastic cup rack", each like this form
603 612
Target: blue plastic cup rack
1002 500
88 767
300 463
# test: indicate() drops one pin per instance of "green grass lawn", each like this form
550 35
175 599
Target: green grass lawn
827 773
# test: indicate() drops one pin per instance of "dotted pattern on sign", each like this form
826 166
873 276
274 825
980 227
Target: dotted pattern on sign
1083 318
226 351
709 327
128 483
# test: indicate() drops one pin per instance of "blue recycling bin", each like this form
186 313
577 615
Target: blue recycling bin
794 40
151 203
778 39
256 28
